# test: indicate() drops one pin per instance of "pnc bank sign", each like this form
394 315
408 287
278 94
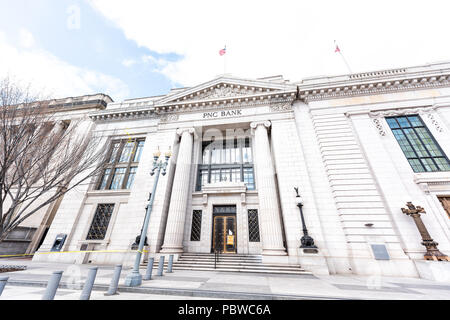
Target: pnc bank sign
221 114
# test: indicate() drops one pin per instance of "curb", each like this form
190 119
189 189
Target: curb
183 292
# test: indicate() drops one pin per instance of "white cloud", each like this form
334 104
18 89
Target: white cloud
54 77
26 38
128 62
292 38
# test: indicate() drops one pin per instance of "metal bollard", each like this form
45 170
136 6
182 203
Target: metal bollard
170 264
148 273
86 294
114 281
161 265
3 281
52 286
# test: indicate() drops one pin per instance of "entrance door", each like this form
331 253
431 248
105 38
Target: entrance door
224 230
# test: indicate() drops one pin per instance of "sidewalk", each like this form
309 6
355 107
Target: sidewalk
181 284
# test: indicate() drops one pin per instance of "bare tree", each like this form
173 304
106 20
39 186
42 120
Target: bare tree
42 155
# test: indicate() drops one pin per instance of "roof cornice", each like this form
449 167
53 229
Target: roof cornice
370 83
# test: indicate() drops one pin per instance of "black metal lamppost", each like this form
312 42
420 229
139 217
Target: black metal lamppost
134 278
307 242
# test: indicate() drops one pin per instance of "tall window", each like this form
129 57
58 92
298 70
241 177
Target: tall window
253 226
226 160
418 145
196 229
121 167
100 223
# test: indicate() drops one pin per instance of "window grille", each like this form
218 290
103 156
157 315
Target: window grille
196 225
253 226
100 222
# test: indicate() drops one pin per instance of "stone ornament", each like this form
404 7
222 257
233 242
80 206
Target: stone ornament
169 118
428 111
282 106
180 131
255 124
379 126
434 122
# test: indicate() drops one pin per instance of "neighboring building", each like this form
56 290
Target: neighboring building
357 146
31 233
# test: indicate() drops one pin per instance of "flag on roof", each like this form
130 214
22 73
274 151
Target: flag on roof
223 51
337 47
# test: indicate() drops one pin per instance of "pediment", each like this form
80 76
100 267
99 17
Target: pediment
223 88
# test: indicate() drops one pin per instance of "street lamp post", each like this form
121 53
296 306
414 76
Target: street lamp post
307 242
134 278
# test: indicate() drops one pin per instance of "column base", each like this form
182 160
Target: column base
274 252
134 279
178 250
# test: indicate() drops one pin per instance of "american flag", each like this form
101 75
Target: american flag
223 51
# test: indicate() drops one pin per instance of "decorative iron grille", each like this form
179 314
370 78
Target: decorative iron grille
224 209
196 225
100 222
253 226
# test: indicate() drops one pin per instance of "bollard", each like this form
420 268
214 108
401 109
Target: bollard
52 286
114 281
148 274
170 264
86 294
161 266
3 281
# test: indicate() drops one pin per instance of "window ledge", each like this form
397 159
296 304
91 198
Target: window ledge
109 193
441 177
224 187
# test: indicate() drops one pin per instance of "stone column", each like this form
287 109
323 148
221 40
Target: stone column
173 237
271 231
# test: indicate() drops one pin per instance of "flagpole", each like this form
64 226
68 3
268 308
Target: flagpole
345 61
343 58
225 62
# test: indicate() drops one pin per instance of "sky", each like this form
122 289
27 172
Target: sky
140 48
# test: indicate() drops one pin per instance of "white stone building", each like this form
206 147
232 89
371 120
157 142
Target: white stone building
358 147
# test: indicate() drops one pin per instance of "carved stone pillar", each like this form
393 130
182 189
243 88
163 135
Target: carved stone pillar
173 238
271 231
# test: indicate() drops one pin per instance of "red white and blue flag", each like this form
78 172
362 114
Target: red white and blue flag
223 51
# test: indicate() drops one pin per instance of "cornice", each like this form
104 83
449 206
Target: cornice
230 101
370 87
236 86
278 102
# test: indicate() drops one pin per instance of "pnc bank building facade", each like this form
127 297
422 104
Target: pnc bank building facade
357 147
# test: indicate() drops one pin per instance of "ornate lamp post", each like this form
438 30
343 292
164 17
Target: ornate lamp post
433 252
307 242
134 278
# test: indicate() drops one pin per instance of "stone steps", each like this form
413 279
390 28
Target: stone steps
230 263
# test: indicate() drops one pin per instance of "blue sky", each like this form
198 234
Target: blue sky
96 45
140 48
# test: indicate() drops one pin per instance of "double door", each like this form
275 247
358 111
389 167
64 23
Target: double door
224 233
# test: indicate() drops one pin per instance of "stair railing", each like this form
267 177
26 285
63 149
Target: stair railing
217 252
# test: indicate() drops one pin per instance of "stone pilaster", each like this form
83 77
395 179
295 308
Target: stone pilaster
173 238
271 231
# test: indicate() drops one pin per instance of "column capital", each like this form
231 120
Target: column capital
265 123
180 131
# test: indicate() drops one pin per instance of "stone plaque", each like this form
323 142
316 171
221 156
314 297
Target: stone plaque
380 252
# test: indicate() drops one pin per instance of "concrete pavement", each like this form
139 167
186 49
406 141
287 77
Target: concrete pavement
182 284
